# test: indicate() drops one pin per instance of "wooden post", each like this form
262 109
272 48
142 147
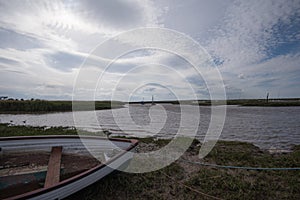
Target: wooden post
53 172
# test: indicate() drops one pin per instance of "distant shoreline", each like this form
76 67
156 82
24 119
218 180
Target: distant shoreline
240 102
44 106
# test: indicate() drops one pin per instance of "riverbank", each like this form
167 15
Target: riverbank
44 106
252 102
37 106
185 179
239 102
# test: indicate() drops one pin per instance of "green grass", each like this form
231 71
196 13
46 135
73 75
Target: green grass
240 102
43 106
253 102
7 130
181 180
175 181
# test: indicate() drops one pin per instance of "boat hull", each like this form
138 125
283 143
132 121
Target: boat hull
72 144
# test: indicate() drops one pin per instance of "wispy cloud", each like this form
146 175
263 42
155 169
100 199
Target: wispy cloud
255 45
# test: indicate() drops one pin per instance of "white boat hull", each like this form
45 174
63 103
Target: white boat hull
71 144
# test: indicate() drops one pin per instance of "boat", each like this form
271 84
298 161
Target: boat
54 167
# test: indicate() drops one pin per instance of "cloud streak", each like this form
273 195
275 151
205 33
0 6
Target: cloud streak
254 44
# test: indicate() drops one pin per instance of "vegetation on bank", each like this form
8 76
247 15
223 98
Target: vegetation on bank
7 130
33 106
264 102
184 180
239 102
251 102
15 106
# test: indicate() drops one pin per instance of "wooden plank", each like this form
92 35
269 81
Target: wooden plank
53 172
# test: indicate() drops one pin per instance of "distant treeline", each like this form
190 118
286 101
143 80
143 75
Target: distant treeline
32 106
240 102
264 102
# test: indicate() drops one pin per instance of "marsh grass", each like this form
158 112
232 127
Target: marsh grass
43 106
170 182
180 180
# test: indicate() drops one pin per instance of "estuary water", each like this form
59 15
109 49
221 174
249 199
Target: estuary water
266 127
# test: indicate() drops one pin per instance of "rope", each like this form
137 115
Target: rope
240 167
190 188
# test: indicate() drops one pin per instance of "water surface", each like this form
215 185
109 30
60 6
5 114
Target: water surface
266 127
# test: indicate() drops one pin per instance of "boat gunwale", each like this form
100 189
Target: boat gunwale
133 144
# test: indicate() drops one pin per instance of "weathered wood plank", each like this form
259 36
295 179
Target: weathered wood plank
53 172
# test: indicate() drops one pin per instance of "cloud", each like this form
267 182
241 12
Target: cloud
64 61
251 30
196 18
11 39
258 42
8 61
118 14
254 44
49 40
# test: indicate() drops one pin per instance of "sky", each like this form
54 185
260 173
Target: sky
254 45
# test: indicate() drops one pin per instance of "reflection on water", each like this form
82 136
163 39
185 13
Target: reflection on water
267 127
